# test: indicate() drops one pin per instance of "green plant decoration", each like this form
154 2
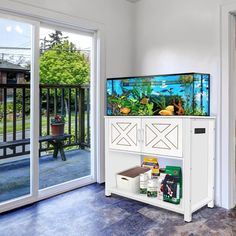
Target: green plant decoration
150 109
198 112
186 79
160 102
58 120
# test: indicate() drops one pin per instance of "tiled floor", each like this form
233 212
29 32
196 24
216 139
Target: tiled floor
87 211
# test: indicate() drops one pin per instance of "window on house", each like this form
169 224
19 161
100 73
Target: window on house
11 78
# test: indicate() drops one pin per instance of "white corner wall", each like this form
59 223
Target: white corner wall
181 36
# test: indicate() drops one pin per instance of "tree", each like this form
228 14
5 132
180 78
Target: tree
64 64
54 38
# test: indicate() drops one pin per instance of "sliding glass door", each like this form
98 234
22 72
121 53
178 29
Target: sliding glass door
15 112
64 106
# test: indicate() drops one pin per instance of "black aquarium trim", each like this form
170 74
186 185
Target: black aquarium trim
146 76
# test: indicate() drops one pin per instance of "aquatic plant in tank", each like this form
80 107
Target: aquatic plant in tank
178 94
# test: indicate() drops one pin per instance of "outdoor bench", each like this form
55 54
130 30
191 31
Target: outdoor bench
56 141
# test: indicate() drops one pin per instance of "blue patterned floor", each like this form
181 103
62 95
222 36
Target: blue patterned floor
87 211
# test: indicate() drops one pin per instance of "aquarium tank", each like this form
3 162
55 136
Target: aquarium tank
175 94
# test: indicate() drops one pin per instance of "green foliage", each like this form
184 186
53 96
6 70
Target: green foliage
64 64
58 120
160 102
10 108
186 79
146 110
124 101
139 92
199 112
150 109
19 105
153 106
55 38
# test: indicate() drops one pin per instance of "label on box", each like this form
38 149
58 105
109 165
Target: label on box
143 183
152 188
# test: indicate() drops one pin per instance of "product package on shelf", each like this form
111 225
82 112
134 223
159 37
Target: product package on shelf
152 163
152 187
172 184
160 184
143 183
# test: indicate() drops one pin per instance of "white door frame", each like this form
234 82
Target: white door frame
98 88
34 118
228 86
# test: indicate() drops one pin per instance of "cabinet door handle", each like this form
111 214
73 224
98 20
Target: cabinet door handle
142 135
139 135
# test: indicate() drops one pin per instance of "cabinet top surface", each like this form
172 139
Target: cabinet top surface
163 117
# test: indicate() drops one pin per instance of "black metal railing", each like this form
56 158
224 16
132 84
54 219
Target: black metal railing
72 101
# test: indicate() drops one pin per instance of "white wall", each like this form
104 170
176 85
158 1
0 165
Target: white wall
181 36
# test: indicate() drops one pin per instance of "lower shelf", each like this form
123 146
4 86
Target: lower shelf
152 201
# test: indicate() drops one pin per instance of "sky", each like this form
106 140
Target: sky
18 34
14 34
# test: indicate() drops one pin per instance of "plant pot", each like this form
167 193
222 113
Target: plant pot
57 129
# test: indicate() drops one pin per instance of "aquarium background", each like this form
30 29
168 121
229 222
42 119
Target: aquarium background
186 94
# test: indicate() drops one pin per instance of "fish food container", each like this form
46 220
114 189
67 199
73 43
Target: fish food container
152 188
143 183
129 180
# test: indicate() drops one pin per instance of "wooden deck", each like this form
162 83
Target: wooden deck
15 174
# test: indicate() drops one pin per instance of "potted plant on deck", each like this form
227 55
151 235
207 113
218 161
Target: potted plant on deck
57 125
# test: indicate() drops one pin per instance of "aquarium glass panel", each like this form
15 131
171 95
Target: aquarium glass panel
179 94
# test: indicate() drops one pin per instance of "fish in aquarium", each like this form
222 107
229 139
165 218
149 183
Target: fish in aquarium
163 85
144 101
156 94
178 94
164 90
168 111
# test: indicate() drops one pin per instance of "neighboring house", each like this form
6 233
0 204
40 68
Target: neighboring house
11 73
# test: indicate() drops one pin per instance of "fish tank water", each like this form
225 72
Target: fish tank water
175 94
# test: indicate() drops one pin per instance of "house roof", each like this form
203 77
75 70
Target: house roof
8 66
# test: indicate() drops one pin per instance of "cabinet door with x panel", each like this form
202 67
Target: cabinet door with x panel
125 134
162 136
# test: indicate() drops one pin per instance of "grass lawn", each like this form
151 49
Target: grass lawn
27 124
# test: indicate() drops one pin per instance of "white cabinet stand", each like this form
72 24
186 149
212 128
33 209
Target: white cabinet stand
183 141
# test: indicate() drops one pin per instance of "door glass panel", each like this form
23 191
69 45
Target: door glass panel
64 107
15 63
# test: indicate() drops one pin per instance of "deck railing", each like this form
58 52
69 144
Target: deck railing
72 101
